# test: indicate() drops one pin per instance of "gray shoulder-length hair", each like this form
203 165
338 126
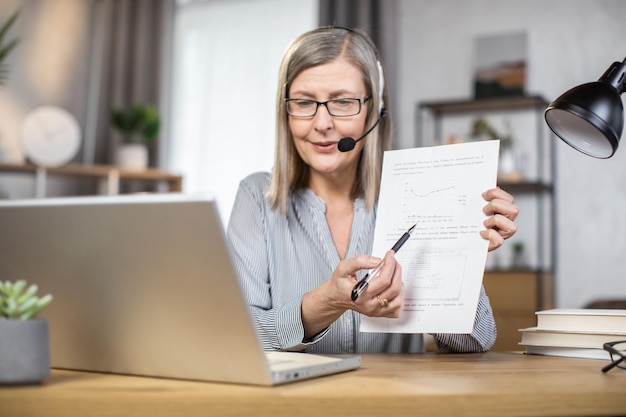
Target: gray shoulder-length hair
317 47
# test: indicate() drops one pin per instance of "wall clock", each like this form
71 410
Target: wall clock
51 136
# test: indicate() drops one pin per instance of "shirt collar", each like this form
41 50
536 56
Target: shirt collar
317 203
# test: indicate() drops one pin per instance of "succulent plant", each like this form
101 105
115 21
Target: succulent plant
19 302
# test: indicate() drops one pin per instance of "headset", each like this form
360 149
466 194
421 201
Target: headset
347 144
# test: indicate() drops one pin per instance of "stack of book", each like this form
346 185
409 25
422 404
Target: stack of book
577 333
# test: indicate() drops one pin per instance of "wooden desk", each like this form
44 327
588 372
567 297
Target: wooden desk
110 174
491 384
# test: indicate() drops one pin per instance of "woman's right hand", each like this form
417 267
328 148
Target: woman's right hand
383 297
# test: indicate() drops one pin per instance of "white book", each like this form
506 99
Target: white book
569 352
587 320
537 336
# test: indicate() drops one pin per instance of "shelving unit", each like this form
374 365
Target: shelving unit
109 176
516 292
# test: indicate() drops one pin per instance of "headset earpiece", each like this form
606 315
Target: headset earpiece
381 88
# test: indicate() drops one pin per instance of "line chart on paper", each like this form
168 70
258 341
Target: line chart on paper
432 204
443 199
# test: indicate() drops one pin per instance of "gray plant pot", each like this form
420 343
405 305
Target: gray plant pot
24 351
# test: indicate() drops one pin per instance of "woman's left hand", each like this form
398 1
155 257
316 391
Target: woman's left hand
502 213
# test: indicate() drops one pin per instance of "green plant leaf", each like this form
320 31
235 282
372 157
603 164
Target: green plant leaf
44 301
18 289
21 308
139 122
10 307
118 120
6 50
30 292
27 315
7 25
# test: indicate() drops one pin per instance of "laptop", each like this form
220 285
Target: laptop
144 285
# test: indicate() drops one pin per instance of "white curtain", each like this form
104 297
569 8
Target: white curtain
226 56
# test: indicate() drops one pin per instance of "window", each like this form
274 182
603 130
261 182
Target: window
222 51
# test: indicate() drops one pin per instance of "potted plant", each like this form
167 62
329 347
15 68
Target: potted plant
139 126
24 343
6 48
509 164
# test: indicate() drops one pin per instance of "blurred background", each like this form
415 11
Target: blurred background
210 69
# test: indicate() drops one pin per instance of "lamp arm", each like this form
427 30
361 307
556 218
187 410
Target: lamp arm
615 75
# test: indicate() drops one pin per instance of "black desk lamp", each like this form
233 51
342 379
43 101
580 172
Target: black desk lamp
590 117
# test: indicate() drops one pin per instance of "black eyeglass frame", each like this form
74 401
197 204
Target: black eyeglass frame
620 362
361 102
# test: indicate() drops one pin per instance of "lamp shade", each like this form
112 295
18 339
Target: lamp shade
590 117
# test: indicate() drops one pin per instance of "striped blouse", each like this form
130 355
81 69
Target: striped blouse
279 258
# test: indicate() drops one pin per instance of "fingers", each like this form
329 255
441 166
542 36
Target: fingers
500 202
498 193
384 296
502 213
349 267
381 306
504 226
494 238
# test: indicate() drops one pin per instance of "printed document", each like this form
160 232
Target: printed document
439 188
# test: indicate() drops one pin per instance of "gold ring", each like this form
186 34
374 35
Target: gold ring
382 301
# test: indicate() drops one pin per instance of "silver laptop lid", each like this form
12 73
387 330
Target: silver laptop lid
142 284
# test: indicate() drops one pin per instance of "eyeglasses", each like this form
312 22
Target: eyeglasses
337 107
617 350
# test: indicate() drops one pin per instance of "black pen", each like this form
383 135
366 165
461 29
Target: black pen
362 284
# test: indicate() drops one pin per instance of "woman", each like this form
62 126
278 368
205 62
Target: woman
301 235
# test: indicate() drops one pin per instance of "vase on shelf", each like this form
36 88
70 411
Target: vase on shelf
509 167
132 156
